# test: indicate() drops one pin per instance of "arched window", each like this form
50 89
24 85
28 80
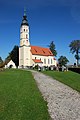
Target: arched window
48 61
51 61
44 61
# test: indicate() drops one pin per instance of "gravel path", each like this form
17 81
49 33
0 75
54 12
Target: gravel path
63 102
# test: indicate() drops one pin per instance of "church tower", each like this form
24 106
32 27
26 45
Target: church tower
24 49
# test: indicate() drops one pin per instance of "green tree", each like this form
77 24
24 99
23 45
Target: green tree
63 60
52 48
14 55
7 59
75 48
1 61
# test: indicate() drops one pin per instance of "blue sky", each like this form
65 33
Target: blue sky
49 20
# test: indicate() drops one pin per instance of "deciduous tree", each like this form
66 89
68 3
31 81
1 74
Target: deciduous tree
63 60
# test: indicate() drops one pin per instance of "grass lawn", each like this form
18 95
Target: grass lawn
20 98
69 78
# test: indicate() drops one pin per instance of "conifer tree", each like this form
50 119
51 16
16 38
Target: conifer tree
52 48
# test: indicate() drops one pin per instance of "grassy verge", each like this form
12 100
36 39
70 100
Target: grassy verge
69 78
20 98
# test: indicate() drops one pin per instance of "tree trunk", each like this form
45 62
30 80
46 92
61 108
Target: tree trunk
77 62
77 56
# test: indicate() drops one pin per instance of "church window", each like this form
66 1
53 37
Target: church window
51 61
26 40
48 61
24 30
35 57
26 36
44 61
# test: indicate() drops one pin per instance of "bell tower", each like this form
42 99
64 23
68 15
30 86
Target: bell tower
24 31
24 49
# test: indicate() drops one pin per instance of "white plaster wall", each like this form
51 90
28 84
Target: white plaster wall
25 56
45 57
24 50
21 56
23 39
10 63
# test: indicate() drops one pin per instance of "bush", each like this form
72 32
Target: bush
77 70
36 66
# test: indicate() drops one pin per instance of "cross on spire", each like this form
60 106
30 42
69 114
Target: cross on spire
24 11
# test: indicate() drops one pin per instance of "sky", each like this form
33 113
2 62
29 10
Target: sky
49 20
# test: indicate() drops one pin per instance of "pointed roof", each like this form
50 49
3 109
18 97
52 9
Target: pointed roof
24 21
36 50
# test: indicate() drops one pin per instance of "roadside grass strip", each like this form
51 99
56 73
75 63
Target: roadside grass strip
69 78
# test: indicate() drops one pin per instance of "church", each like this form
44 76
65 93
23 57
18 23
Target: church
32 55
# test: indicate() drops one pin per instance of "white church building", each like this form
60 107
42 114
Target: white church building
32 55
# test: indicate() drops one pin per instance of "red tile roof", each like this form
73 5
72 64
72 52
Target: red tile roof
37 61
36 50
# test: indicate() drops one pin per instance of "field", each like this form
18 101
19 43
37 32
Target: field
20 98
69 78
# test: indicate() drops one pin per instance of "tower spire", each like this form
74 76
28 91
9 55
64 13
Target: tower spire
24 21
